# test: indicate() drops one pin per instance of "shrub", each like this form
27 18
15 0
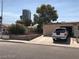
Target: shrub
16 29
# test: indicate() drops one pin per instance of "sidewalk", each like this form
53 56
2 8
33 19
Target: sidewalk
45 41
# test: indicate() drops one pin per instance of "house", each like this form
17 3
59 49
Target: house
32 28
72 27
4 28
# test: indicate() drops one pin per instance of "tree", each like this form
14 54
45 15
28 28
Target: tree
20 22
27 22
16 29
45 14
24 22
36 19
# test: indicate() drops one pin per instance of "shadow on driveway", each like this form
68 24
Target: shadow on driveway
63 42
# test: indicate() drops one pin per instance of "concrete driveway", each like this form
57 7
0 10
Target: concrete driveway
49 41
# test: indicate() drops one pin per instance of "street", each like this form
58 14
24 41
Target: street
10 50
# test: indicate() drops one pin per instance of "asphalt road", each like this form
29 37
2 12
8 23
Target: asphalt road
29 51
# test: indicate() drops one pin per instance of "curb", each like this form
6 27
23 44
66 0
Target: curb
32 43
10 41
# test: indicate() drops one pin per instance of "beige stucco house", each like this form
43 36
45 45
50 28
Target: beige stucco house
73 27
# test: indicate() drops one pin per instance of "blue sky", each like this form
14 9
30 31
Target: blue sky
68 10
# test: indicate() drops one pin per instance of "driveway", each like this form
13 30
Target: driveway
10 50
49 41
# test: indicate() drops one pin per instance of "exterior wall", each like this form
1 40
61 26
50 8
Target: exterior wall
76 31
49 28
24 37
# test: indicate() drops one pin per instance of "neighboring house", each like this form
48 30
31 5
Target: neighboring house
31 29
4 29
72 27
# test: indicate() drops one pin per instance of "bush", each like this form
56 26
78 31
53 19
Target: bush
16 29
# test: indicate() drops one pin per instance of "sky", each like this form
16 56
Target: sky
68 10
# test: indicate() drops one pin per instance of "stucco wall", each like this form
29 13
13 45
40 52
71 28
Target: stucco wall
48 29
76 31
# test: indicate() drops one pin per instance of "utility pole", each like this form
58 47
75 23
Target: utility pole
1 17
